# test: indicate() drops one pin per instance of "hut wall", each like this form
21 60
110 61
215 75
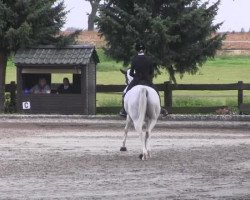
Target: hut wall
92 89
89 88
68 104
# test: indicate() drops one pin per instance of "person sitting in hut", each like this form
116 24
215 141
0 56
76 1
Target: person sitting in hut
41 87
65 88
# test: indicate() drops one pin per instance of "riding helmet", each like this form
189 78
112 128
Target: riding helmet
140 47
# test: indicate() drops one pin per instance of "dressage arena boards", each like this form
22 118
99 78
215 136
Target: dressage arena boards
56 160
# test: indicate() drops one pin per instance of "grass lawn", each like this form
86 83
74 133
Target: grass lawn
223 69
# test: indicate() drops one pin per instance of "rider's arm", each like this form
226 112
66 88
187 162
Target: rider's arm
152 68
132 70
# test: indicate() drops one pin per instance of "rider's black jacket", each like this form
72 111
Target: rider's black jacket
142 68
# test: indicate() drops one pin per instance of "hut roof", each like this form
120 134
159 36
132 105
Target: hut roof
53 56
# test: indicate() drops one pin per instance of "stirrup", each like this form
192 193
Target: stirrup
164 112
123 113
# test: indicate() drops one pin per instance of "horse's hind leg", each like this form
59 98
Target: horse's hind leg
128 124
150 126
144 150
148 145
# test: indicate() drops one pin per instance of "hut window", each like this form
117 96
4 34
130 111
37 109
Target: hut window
74 81
30 80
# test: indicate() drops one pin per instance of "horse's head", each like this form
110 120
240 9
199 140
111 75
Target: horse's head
128 78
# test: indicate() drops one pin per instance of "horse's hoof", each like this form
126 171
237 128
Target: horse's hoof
141 156
123 149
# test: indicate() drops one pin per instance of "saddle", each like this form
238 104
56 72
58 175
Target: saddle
141 82
144 82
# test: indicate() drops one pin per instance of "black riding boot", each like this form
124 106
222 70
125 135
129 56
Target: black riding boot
164 112
123 112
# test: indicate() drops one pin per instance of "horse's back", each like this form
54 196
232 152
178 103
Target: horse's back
135 91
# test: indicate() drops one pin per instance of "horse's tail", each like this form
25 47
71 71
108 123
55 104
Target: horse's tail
142 109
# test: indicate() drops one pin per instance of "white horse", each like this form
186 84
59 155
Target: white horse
142 104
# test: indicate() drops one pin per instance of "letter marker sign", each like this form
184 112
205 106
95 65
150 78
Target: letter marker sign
26 105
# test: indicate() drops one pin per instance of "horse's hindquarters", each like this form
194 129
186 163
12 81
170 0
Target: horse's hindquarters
153 104
132 102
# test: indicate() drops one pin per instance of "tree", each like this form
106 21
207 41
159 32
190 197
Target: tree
29 23
178 35
92 15
242 30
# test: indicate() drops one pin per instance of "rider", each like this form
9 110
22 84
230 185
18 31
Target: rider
142 71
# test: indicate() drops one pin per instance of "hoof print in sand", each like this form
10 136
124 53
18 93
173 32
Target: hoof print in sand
123 149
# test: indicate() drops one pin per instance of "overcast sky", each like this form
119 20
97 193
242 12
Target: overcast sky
234 13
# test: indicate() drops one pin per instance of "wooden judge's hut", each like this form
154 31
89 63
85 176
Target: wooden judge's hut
45 62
